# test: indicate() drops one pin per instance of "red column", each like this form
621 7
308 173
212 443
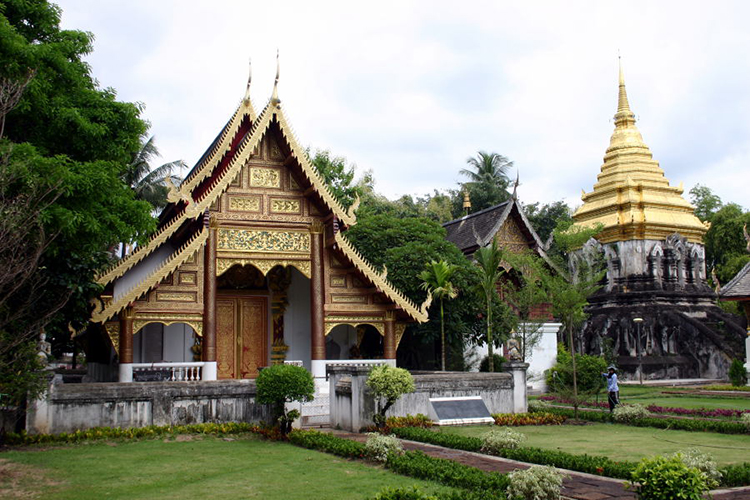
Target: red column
389 342
317 318
126 336
209 297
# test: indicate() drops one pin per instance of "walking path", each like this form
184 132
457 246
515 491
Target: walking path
577 485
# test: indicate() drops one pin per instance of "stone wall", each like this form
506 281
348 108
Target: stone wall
352 405
68 407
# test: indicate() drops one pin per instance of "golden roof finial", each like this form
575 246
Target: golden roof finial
275 95
249 79
624 115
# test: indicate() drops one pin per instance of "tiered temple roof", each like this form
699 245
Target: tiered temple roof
632 198
182 231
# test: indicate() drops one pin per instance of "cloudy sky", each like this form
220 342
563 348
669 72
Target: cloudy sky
409 90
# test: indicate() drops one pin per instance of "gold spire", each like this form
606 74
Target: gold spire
275 96
632 198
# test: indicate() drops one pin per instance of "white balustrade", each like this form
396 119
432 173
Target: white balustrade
170 372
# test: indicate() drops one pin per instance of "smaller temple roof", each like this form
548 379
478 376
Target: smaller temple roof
476 230
739 287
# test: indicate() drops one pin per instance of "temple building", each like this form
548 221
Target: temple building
507 224
655 308
250 266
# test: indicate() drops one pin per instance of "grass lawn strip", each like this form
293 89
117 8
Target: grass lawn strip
202 467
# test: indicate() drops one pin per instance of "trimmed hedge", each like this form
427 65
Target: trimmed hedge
732 475
681 424
417 464
601 466
328 443
519 419
152 431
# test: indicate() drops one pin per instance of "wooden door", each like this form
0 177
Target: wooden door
241 335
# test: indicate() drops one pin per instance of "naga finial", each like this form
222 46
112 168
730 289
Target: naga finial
275 96
249 79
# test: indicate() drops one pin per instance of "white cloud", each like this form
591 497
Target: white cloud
411 89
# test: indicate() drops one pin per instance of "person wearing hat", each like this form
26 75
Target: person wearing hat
612 389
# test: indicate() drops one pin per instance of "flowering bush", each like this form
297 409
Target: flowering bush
517 419
538 482
378 446
704 462
745 419
497 440
540 404
628 413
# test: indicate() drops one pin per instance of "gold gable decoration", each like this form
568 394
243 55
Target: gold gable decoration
173 262
632 198
263 265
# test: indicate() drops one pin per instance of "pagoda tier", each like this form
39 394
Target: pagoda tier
632 198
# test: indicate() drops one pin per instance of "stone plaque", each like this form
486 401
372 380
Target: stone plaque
459 411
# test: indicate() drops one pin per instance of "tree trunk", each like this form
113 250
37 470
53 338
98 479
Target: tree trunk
490 353
573 361
442 335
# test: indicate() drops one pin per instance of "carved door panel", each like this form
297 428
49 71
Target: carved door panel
241 336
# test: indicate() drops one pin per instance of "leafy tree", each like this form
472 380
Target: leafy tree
281 384
526 297
725 243
705 201
488 259
337 174
436 279
67 137
545 218
150 184
387 384
488 179
403 245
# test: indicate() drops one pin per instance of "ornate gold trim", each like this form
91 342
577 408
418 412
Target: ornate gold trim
379 326
285 205
244 203
195 321
113 332
380 281
172 263
265 177
176 297
263 265
349 299
399 330
263 241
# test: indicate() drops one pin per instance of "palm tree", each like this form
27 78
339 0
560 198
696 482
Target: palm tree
488 179
488 259
436 279
151 184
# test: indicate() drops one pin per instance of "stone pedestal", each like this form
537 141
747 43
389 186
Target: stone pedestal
520 398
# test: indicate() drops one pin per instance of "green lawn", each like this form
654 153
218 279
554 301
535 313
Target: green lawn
621 442
203 467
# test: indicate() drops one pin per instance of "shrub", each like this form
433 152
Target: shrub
704 462
418 420
626 414
737 373
387 385
518 419
378 446
495 441
745 419
497 362
538 405
736 475
403 494
589 371
280 384
535 483
661 478
328 443
447 472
